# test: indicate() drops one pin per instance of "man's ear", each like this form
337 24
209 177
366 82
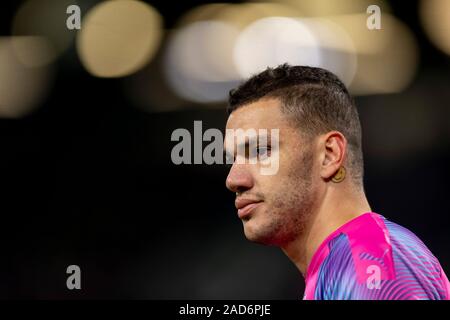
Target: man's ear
333 147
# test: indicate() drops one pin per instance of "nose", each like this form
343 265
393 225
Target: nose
239 178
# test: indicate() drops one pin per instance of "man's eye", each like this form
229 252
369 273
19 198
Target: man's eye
263 151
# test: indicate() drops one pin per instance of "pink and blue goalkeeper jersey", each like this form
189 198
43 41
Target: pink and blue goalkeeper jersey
372 258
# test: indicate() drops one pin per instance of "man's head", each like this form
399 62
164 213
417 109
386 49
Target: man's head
319 132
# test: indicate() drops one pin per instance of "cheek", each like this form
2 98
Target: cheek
283 182
292 180
282 191
266 184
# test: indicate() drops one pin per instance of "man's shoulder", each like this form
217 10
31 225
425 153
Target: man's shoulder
363 247
376 256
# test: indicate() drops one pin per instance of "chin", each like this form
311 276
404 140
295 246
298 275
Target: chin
254 233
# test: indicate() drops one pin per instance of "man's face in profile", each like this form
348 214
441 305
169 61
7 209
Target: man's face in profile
273 208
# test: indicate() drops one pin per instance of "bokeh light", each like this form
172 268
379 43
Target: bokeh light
45 18
240 15
272 41
218 45
323 8
24 85
198 65
201 50
387 58
119 37
435 17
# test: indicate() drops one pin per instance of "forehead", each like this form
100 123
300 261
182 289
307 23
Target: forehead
263 114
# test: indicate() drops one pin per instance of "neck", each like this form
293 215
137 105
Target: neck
337 207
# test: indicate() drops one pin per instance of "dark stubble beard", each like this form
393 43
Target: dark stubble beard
291 208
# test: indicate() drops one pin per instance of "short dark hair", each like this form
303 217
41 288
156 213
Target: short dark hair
314 98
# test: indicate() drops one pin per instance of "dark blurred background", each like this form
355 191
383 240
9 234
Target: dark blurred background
86 172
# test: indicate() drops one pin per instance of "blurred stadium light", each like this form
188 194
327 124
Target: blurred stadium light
240 15
312 41
387 58
214 47
321 8
46 18
198 64
435 17
25 81
273 41
118 38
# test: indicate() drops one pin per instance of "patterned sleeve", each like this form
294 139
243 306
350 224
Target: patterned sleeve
417 276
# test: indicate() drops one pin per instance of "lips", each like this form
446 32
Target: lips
246 206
